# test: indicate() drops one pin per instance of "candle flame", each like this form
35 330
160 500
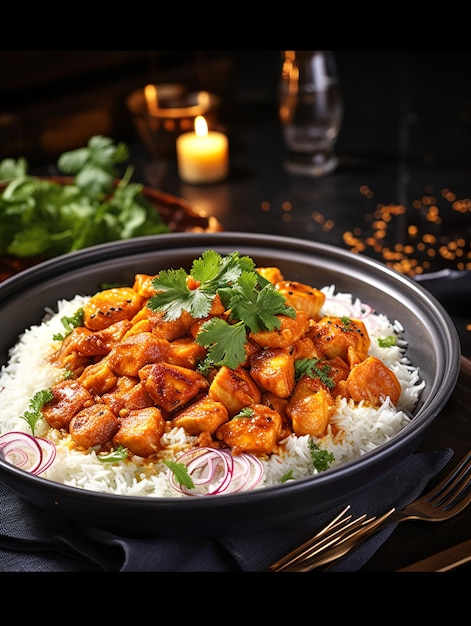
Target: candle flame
152 100
201 126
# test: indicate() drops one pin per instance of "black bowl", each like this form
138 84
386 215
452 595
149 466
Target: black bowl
434 348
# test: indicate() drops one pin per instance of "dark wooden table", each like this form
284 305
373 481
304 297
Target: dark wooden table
405 143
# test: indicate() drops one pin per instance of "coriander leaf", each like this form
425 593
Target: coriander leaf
69 323
35 405
45 218
287 476
9 169
181 473
119 454
245 412
314 368
214 271
387 342
174 296
225 342
32 241
252 301
321 459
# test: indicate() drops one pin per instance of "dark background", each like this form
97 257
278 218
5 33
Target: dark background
404 146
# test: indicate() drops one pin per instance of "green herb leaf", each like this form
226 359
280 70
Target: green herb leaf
42 217
181 473
225 342
321 459
35 405
69 323
287 476
254 303
119 454
314 368
387 342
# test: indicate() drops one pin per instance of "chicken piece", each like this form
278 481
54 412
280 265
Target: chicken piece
236 389
250 348
127 395
171 386
141 431
143 285
338 373
185 352
302 297
94 425
310 407
291 330
273 370
333 335
305 349
70 397
257 433
110 306
154 322
86 343
272 274
354 357
98 378
279 405
204 415
72 362
135 351
372 381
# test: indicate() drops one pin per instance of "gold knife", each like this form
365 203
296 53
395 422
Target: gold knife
443 561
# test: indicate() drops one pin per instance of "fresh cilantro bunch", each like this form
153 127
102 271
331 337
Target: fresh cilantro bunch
43 218
252 301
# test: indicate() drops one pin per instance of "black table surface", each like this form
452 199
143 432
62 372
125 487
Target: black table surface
405 144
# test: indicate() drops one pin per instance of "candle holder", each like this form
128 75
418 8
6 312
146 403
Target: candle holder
162 112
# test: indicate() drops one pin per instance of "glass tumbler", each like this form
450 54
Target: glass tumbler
310 111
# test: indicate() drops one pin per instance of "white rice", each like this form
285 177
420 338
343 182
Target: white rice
359 429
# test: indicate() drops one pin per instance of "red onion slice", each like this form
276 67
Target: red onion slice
215 471
27 452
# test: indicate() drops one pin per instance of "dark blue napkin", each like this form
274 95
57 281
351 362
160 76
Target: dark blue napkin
33 539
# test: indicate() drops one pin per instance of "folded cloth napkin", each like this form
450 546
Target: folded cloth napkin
33 539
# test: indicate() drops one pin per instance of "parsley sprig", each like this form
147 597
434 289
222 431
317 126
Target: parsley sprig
33 414
69 323
41 217
314 368
254 303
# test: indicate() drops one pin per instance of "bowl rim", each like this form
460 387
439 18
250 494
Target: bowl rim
406 438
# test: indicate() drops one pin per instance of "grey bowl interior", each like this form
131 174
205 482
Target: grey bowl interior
433 346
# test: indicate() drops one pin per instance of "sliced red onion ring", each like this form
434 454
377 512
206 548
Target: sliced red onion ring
350 309
215 471
33 454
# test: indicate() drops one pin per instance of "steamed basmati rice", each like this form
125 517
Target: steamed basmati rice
358 429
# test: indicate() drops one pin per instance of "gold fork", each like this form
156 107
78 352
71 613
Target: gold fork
342 534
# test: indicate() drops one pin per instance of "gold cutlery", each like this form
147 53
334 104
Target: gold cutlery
340 536
443 561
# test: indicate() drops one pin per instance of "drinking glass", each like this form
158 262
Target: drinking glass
310 110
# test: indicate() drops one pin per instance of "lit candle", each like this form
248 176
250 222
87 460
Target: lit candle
202 156
152 101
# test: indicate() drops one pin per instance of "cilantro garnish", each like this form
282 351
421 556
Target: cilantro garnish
314 368
254 303
181 473
245 412
287 476
69 323
35 405
119 454
42 217
387 342
321 459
